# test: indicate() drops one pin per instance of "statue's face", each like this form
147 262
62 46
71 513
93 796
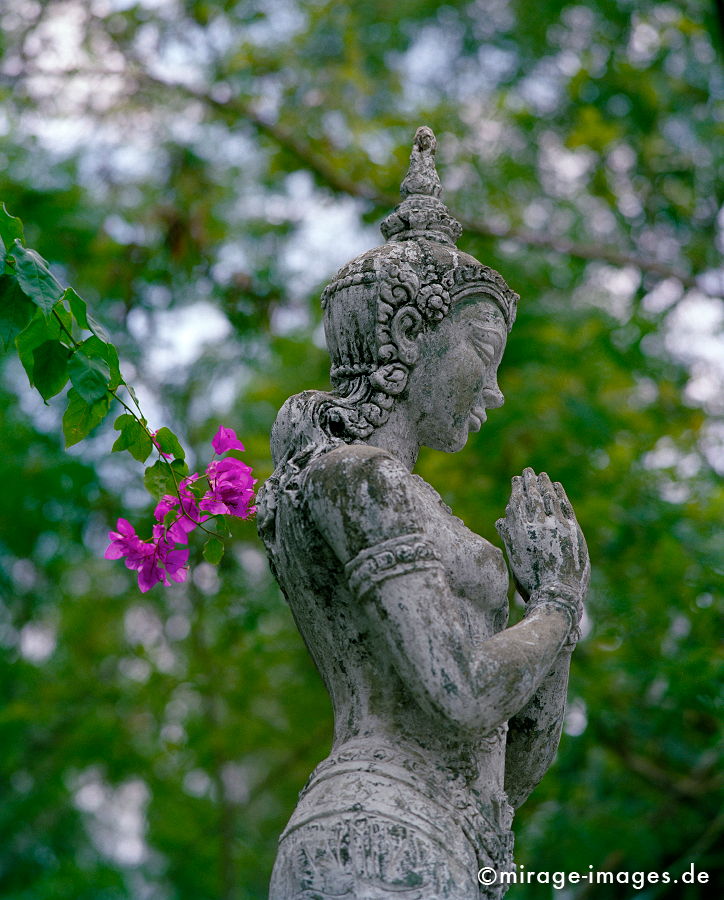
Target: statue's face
454 380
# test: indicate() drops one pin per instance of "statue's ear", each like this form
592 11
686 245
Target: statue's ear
405 326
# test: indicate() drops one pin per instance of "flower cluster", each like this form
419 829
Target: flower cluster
230 493
155 560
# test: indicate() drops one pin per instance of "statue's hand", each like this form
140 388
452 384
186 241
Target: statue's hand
544 543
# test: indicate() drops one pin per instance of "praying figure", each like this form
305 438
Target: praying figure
445 718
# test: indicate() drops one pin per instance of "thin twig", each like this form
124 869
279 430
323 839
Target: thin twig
73 341
140 418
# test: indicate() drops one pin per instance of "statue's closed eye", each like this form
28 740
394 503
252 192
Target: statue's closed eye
485 341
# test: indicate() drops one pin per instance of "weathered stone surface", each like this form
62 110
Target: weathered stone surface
445 719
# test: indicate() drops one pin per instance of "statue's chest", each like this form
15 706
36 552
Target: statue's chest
475 569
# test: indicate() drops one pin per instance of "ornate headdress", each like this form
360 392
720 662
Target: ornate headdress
423 218
419 271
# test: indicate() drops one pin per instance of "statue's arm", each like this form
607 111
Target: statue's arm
534 732
363 504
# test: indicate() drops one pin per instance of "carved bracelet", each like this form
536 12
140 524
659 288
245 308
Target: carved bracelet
563 597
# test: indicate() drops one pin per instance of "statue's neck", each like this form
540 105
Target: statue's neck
396 436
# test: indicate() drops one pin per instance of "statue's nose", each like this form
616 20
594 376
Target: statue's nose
493 397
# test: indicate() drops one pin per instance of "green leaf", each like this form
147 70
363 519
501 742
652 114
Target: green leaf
114 366
169 443
198 488
89 370
81 417
133 437
50 368
95 348
131 391
39 330
35 278
97 329
11 228
222 526
16 310
102 350
77 307
159 479
213 551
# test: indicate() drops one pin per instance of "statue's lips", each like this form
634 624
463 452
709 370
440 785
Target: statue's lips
477 417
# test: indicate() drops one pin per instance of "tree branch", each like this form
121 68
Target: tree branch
289 140
311 159
701 781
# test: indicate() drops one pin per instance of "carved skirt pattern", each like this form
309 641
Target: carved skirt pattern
366 857
372 833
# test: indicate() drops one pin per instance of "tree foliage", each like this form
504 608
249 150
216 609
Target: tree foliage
198 171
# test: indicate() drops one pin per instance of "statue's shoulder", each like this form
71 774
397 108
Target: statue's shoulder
363 492
352 467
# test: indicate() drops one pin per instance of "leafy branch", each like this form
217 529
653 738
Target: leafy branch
39 317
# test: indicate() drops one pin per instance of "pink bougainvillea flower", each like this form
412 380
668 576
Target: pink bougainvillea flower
155 560
226 439
125 542
180 530
164 506
189 515
231 489
161 560
176 564
150 573
166 553
157 568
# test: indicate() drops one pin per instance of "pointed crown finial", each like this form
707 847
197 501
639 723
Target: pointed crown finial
422 214
422 177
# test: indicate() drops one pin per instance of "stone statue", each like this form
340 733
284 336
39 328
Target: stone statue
445 720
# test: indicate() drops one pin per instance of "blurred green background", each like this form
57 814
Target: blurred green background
198 171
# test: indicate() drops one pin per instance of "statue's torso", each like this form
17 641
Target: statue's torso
391 756
368 695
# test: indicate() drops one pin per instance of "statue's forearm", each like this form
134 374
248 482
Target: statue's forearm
534 732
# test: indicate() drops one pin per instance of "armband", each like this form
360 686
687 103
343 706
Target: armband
397 556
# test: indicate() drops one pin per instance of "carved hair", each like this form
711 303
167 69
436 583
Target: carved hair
409 287
363 312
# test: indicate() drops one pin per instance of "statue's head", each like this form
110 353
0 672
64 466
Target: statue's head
396 308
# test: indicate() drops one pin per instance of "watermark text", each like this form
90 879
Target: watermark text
559 880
